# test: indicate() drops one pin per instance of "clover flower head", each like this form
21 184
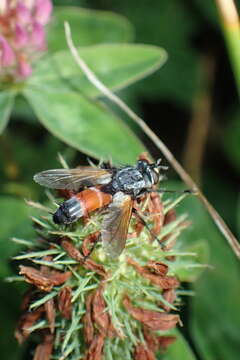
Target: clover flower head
22 35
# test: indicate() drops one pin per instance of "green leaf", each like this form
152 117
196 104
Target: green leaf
89 27
6 104
9 312
179 349
116 65
14 221
87 126
208 9
189 268
22 112
170 24
215 316
26 159
238 215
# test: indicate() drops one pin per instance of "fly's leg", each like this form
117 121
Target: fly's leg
90 239
163 191
138 226
135 212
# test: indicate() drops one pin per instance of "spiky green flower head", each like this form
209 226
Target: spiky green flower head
96 307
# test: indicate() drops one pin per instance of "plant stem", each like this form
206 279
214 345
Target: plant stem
231 30
200 121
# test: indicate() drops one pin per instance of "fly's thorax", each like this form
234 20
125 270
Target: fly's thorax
128 180
68 212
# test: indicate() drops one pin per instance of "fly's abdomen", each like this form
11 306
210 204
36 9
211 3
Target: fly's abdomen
80 205
93 199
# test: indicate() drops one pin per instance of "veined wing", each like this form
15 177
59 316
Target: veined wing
115 224
73 179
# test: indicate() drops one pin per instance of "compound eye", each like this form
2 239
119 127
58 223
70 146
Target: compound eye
142 164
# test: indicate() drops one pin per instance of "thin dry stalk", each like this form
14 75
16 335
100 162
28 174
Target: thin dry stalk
200 122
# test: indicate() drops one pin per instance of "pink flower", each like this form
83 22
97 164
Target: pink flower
3 6
7 56
23 13
22 35
43 11
24 68
38 35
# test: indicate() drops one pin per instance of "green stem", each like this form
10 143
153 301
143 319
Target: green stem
231 31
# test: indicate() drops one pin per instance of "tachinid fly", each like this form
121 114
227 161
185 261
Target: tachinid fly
95 188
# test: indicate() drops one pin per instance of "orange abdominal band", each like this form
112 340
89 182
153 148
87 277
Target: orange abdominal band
92 199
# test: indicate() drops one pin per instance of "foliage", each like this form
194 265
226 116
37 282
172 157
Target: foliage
58 110
54 84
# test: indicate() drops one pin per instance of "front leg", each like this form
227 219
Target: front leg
136 213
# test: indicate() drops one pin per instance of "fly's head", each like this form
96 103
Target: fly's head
150 172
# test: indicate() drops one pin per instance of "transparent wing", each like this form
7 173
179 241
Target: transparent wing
115 224
73 179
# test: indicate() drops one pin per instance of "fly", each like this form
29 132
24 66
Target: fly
96 188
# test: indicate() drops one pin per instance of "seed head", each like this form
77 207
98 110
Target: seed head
89 306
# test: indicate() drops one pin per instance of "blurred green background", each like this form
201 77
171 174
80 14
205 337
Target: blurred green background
193 106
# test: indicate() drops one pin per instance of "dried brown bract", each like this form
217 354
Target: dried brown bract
88 325
165 341
96 318
45 270
75 254
44 350
96 267
49 307
71 250
41 281
151 339
155 208
142 352
152 344
100 315
170 296
27 297
164 282
35 277
157 267
65 302
26 321
155 342
96 347
152 319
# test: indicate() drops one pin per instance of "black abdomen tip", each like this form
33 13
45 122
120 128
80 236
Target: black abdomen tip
58 217
68 212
